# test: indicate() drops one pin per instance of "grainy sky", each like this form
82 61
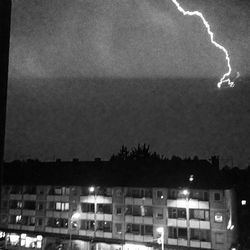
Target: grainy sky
87 76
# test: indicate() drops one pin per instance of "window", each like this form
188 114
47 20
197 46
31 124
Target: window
172 212
57 222
29 205
159 194
148 211
205 235
62 206
88 207
172 193
104 208
16 190
182 233
172 232
218 217
118 228
105 226
181 213
135 229
148 230
39 222
59 191
128 210
195 234
159 214
199 214
136 210
40 206
118 210
30 190
219 238
103 191
14 204
148 193
88 225
73 191
217 196
200 234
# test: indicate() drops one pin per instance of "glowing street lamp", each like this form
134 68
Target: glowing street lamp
91 189
185 192
74 219
160 230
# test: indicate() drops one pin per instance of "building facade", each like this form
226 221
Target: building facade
117 218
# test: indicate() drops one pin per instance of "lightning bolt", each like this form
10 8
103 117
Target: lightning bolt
225 78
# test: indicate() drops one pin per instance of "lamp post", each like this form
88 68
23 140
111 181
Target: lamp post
92 190
160 230
186 193
74 219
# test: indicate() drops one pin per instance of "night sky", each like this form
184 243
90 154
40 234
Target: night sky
87 76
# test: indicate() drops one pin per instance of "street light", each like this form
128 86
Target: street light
160 230
74 219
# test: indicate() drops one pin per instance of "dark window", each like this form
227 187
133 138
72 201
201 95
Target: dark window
172 212
104 208
39 222
88 207
148 193
172 232
73 191
30 190
16 190
146 211
40 206
103 191
88 225
205 235
135 229
195 234
181 213
172 194
182 233
128 210
136 210
29 205
217 197
118 210
206 196
85 191
148 230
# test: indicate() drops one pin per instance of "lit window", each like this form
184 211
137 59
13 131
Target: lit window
218 217
18 219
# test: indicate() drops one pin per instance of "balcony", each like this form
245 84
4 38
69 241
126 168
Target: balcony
177 223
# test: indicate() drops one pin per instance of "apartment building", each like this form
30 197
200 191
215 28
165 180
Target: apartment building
114 218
